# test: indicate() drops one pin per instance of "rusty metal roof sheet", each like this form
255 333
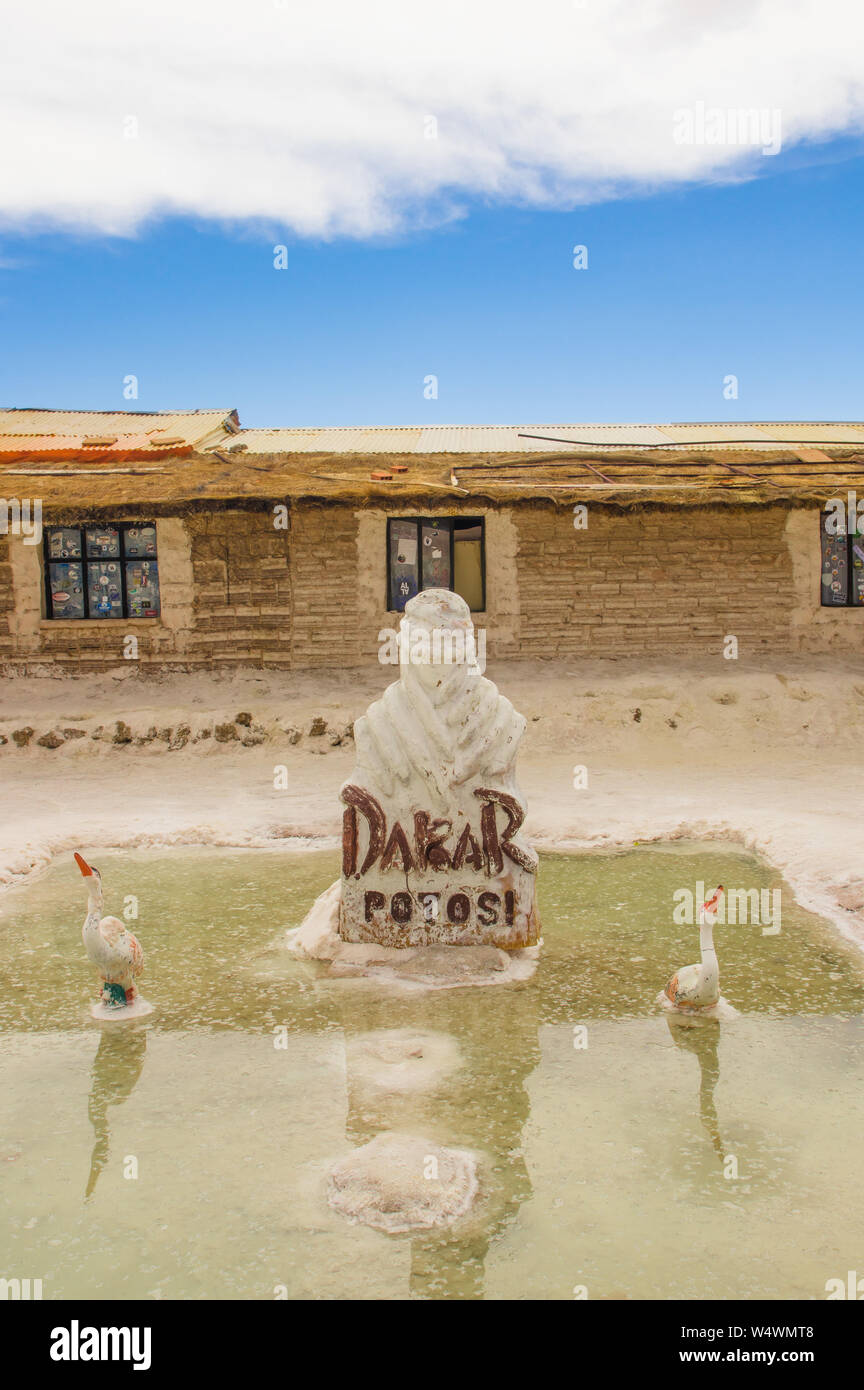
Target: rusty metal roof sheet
34 448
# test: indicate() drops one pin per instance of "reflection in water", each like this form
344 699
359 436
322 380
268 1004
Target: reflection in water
701 1037
481 1106
116 1068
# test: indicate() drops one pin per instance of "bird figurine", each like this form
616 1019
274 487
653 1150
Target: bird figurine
698 986
115 952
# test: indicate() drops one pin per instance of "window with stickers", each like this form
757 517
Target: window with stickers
842 564
436 553
95 571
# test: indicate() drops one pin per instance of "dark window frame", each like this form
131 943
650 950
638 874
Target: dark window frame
85 560
845 539
441 522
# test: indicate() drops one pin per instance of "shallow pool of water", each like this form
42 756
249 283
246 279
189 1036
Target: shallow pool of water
185 1155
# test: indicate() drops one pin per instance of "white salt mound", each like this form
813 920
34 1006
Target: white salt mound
401 1059
400 1182
104 1013
681 1013
317 938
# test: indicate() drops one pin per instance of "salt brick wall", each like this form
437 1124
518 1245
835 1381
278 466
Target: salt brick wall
324 579
242 590
240 616
654 582
7 602
631 584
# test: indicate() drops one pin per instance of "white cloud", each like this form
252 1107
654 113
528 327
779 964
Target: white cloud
312 114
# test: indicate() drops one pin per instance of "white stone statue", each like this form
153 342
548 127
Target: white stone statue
433 852
432 846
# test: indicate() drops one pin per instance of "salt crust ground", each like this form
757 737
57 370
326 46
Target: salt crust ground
764 754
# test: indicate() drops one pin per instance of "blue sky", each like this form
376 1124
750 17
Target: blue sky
760 279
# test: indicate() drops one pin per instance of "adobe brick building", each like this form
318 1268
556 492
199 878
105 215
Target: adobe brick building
217 547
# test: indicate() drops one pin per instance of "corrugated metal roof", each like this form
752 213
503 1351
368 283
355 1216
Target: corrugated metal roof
641 436
331 440
463 439
698 433
850 433
24 431
479 439
435 439
198 428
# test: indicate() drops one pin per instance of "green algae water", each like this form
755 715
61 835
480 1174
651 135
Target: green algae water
621 1152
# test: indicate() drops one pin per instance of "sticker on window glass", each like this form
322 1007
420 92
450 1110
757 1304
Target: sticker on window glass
403 563
64 543
834 568
140 541
103 591
67 592
436 557
406 551
103 540
142 589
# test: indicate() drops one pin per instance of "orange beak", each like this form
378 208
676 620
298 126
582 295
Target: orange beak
83 865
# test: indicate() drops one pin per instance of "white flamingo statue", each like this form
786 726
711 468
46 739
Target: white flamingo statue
115 952
698 986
